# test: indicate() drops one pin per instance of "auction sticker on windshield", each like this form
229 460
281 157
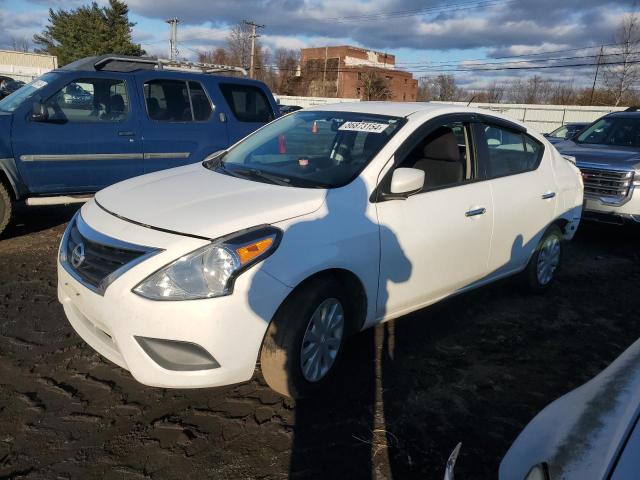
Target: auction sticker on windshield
371 127
38 84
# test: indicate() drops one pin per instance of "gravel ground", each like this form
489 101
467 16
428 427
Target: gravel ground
473 369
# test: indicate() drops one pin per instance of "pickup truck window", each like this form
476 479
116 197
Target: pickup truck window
89 100
615 131
248 103
510 152
176 101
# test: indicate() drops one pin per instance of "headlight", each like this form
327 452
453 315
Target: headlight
211 270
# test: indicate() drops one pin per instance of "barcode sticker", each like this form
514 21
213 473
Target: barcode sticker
370 127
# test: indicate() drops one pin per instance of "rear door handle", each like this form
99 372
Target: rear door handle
476 211
127 134
548 195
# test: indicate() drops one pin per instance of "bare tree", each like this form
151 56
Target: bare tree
494 93
286 62
218 56
239 45
20 44
619 78
562 94
373 86
442 88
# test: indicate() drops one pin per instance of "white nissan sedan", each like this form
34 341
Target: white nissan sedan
322 223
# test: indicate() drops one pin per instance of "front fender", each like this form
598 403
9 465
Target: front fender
9 170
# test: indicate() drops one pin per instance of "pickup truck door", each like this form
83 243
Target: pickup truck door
182 121
435 242
250 108
89 141
524 193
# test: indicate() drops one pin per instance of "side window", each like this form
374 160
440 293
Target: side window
248 103
510 152
168 101
200 102
89 100
445 155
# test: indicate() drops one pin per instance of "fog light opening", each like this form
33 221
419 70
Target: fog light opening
177 355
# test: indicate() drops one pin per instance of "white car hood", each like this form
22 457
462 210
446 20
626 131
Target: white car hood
193 200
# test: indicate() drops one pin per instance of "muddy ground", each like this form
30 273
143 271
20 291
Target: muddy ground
474 369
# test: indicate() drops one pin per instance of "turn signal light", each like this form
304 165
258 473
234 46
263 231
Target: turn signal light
253 250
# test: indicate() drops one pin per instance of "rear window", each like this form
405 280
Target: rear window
248 103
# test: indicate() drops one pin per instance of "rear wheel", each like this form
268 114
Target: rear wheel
305 339
6 207
545 261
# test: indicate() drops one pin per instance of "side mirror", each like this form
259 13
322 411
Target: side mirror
407 180
39 112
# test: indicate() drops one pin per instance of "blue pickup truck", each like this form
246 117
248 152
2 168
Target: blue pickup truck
100 120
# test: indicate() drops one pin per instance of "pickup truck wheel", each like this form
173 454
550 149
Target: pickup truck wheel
545 261
304 342
6 207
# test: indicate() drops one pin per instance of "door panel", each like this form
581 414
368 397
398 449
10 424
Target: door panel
521 216
90 141
524 194
181 121
446 248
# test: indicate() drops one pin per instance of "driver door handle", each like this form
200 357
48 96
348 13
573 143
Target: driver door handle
475 212
548 195
127 134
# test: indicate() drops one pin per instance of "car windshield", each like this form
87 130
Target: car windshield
310 149
561 132
614 131
17 98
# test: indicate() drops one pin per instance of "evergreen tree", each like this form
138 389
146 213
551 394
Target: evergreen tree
88 30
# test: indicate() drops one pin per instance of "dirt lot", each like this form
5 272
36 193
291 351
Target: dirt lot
473 369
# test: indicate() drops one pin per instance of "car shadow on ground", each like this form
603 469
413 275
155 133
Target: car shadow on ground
28 220
474 368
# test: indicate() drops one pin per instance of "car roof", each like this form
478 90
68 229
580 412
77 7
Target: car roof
395 109
624 114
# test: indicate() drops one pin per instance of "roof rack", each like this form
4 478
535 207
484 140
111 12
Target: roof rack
129 64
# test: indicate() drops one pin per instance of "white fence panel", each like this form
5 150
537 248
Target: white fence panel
305 102
545 118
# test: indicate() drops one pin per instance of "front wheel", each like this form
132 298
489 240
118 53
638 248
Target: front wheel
6 207
545 261
304 342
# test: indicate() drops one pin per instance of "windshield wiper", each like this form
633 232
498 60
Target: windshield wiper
253 172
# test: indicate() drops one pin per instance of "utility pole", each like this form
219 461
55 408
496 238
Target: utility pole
253 37
173 39
595 78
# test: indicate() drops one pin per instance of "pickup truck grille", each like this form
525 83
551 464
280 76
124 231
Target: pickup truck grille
607 183
91 261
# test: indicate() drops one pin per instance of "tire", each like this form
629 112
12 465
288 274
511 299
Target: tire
281 356
6 207
537 276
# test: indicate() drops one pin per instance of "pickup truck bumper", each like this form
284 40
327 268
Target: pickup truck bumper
599 210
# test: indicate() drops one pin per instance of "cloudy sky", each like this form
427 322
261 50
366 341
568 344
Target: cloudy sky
427 37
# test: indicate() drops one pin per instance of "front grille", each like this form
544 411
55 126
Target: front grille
93 260
607 183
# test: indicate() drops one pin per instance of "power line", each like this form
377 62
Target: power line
524 55
451 7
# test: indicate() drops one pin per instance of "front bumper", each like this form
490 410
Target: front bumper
596 209
230 328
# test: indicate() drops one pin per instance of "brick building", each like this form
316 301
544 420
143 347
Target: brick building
342 72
